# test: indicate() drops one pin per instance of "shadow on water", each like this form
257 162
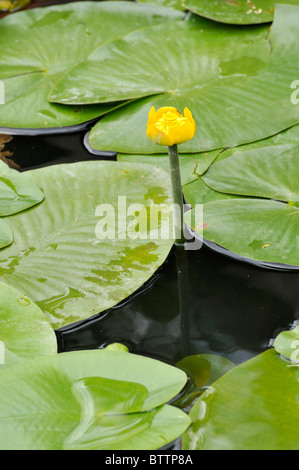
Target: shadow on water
225 307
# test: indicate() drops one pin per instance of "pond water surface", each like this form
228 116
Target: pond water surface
218 306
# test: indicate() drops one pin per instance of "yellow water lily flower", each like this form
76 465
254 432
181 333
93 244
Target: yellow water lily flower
168 126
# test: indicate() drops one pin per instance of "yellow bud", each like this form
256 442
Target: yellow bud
168 126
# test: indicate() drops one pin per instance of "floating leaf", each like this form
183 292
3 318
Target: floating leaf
88 400
287 344
262 230
191 165
208 67
269 172
25 333
38 46
197 192
236 11
6 236
252 407
17 191
75 260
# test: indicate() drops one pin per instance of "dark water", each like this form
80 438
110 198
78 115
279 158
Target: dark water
218 305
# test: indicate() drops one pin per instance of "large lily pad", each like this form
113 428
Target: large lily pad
206 66
236 11
25 333
59 258
38 46
258 229
271 172
252 407
90 400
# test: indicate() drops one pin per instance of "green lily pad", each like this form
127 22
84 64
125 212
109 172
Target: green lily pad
287 137
191 165
198 192
38 46
236 11
208 67
287 344
269 172
17 191
258 229
252 407
6 236
25 333
90 400
75 257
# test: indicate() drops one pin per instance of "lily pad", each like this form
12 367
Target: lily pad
38 46
198 192
208 67
269 172
90 400
17 191
84 249
287 344
6 236
25 333
236 11
258 229
252 407
191 165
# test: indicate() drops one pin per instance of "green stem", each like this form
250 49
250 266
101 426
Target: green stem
177 194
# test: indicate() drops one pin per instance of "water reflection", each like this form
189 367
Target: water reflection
234 310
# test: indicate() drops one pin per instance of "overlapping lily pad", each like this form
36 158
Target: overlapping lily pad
258 229
64 261
191 165
37 47
208 67
25 333
252 407
90 400
269 172
236 11
250 197
6 236
17 191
